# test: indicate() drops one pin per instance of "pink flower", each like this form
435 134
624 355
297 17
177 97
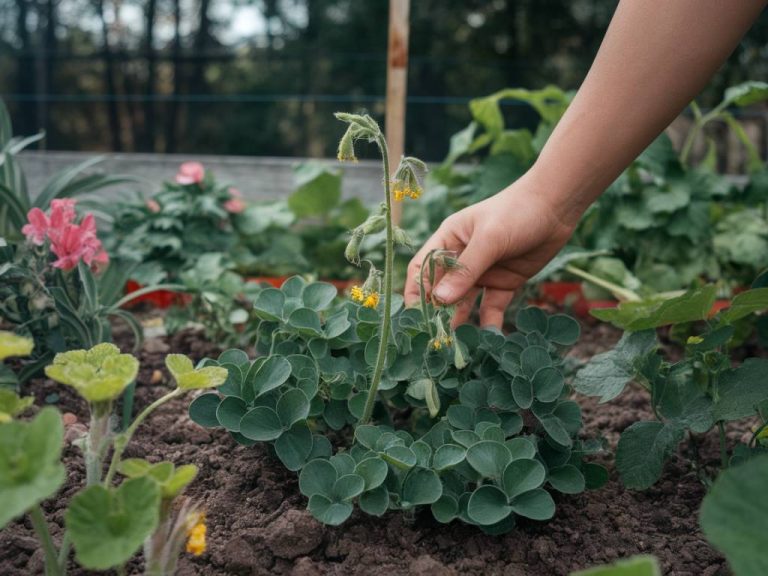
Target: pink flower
78 242
37 229
153 206
190 173
234 206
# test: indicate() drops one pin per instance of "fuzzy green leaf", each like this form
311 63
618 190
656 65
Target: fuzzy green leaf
642 450
269 304
448 456
536 505
272 374
107 527
261 424
328 511
375 502
489 458
203 409
567 479
294 446
522 476
373 471
317 477
318 295
488 505
741 389
421 486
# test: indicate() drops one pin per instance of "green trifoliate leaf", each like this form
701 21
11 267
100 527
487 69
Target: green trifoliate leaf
108 526
11 404
188 377
14 345
733 516
172 480
99 374
30 467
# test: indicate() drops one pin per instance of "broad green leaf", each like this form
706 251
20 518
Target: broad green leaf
733 515
368 435
347 487
170 479
562 329
421 486
547 384
745 94
374 502
745 304
318 191
522 391
642 450
489 458
520 448
595 475
741 389
448 456
261 424
327 511
567 479
488 505
445 509
400 457
269 304
373 471
641 565
294 446
234 356
608 373
230 411
317 477
14 345
99 374
292 407
531 319
30 463
272 374
536 505
306 321
318 295
521 476
203 409
694 305
533 358
108 526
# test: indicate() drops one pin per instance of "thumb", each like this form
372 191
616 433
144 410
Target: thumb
474 261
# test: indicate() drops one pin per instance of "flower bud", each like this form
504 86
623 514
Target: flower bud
352 252
374 224
402 239
346 152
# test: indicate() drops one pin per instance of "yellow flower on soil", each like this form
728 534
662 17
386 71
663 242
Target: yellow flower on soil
371 300
356 293
196 537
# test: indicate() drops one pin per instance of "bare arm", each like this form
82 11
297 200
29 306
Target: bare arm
656 56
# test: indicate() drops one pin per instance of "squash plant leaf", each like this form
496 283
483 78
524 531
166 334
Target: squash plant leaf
642 450
30 466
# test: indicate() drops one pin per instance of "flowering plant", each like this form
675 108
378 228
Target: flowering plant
106 524
476 425
58 286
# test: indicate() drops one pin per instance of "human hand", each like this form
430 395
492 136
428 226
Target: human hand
501 242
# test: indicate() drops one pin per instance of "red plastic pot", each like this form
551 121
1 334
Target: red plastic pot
158 298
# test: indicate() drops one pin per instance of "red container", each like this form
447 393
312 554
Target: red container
158 298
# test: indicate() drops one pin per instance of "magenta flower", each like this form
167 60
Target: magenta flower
190 173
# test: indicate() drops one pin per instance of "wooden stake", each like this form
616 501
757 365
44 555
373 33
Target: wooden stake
397 87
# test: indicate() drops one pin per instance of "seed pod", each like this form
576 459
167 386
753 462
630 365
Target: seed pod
352 252
432 398
374 224
402 239
373 282
459 355
346 152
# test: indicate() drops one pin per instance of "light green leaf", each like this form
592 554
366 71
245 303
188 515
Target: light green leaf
108 527
30 463
641 565
189 378
745 94
746 303
14 345
11 404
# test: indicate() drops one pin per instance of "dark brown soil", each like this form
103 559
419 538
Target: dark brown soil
257 523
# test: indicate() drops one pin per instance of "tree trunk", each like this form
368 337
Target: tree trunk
148 132
172 117
113 114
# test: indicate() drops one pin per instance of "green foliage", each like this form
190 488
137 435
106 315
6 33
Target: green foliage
694 394
98 375
487 456
108 525
190 378
172 480
12 405
641 565
733 514
30 467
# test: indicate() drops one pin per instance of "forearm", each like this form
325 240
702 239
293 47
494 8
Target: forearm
656 56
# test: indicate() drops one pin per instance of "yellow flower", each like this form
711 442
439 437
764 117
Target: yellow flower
356 293
414 193
196 537
399 194
371 300
436 344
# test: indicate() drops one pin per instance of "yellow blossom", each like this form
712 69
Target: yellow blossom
356 293
371 300
399 194
414 193
196 537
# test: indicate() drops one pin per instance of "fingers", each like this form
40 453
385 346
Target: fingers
493 306
476 258
464 308
438 240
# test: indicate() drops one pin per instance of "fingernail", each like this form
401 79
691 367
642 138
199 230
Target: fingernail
442 293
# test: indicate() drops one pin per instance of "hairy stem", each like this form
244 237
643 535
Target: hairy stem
381 357
44 534
122 440
423 293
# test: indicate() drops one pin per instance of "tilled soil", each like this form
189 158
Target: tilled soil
257 522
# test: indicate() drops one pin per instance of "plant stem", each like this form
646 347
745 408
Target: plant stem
44 534
622 294
122 440
64 553
690 139
381 357
723 446
423 293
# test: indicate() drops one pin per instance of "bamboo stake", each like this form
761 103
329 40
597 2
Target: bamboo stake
397 86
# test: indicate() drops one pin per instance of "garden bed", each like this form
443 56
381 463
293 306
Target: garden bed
257 523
